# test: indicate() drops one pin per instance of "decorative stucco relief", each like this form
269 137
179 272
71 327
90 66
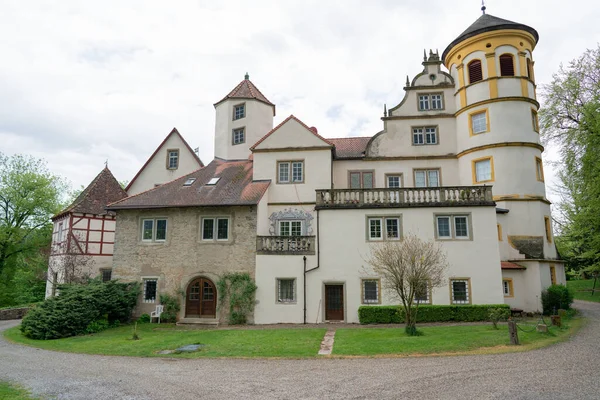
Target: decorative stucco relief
291 214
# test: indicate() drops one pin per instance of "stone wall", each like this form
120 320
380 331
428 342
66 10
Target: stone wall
183 256
13 313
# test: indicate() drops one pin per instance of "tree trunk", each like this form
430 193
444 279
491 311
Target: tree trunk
410 322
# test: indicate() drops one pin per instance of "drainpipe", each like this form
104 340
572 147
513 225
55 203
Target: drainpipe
312 269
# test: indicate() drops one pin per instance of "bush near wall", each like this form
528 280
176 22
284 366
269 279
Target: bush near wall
427 313
556 297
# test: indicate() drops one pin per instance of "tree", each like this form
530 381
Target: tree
29 196
570 120
407 268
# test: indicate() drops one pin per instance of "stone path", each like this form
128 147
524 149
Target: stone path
327 343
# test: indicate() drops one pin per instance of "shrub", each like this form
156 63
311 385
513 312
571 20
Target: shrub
555 297
428 313
171 304
498 314
144 319
80 307
97 326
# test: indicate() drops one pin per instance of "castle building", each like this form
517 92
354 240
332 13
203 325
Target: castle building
458 161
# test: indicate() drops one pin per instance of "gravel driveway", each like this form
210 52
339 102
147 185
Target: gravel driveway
570 370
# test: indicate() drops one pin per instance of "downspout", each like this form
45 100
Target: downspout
312 269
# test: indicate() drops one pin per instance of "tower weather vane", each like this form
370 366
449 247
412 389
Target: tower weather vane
483 6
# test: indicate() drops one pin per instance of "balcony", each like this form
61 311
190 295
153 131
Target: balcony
285 245
451 196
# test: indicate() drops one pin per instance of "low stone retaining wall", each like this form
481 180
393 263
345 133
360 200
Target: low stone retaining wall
13 313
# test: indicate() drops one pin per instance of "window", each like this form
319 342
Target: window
361 179
239 136
534 121
370 291
290 228
154 230
383 228
431 101
499 228
507 287
286 290
59 237
460 291
539 169
453 227
507 65
427 178
475 71
189 181
239 111
548 229
483 170
216 228
529 69
106 274
422 294
552 274
290 172
425 135
172 159
479 123
394 181
150 290
213 181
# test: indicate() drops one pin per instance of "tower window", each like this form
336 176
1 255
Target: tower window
529 69
172 159
548 229
535 121
479 122
239 136
507 65
475 71
483 170
239 111
539 169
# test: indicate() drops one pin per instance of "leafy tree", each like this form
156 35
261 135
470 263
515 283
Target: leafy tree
407 268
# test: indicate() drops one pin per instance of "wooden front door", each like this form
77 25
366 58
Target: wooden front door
201 299
334 302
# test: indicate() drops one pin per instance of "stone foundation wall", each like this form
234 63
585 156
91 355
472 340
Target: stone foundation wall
13 313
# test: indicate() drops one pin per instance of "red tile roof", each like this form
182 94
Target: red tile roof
247 90
104 189
234 188
312 130
509 265
350 147
173 132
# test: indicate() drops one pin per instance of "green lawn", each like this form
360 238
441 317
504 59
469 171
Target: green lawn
13 392
582 289
218 343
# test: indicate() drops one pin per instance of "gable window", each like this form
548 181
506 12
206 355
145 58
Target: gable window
425 135
290 228
539 169
370 291
290 172
239 136
431 101
479 122
427 178
475 71
535 121
507 65
239 111
460 291
507 287
383 228
215 228
452 227
154 230
286 290
548 227
361 179
149 294
422 294
172 159
483 170
106 274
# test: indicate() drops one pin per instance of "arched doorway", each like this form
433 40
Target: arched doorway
201 299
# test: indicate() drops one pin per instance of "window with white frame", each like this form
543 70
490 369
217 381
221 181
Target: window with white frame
290 228
238 136
422 294
452 227
427 178
431 101
215 228
172 159
59 236
479 122
239 111
150 286
483 169
286 290
425 135
290 172
154 230
384 228
507 287
370 291
394 181
361 179
460 291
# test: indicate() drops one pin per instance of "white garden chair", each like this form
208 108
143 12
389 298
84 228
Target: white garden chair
156 313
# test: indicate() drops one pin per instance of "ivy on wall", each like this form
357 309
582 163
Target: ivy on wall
239 290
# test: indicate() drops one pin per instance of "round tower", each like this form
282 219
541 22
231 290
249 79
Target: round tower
498 140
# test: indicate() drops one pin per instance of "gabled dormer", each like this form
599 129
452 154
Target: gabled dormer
242 118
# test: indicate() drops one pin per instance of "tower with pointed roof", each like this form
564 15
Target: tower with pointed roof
242 118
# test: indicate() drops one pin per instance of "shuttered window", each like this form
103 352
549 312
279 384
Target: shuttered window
475 71
507 65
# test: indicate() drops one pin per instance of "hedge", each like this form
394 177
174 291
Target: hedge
556 297
427 313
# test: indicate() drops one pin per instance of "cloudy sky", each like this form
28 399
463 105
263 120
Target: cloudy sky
82 82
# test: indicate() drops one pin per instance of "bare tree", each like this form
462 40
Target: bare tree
68 266
408 268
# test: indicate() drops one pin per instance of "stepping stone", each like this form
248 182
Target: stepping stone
189 348
327 343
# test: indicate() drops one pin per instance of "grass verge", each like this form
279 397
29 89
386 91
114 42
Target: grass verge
10 391
582 290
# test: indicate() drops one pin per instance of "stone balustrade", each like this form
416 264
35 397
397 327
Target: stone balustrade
285 245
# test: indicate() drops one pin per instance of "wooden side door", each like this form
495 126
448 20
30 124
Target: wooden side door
192 299
334 302
208 299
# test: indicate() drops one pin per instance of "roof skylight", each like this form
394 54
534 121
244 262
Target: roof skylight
213 181
189 181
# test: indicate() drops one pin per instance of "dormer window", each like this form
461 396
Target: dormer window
239 111
239 136
431 101
172 159
475 71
